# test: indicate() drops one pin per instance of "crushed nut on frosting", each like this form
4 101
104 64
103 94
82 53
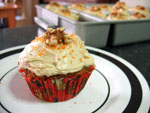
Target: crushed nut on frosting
139 15
65 11
94 8
55 4
56 36
140 7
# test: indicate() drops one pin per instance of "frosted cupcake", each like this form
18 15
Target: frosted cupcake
67 13
105 7
56 66
140 9
120 5
138 15
59 9
54 7
96 11
118 15
77 6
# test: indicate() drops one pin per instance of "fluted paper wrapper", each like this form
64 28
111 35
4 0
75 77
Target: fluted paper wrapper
56 89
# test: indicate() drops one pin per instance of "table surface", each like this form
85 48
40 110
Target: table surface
137 54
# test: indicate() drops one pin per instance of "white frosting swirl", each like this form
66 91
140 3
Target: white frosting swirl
62 59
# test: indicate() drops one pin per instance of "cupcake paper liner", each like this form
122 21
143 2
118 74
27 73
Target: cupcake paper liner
59 89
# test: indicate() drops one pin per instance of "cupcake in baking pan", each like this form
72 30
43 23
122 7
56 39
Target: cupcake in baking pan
59 9
140 9
96 11
116 15
138 15
54 7
56 65
67 13
105 7
120 5
78 6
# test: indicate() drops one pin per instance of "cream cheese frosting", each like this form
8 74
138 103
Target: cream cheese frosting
45 56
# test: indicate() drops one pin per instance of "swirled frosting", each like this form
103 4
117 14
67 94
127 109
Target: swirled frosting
54 53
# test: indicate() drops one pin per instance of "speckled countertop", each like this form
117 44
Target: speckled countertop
137 54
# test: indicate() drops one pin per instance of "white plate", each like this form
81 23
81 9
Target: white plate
115 86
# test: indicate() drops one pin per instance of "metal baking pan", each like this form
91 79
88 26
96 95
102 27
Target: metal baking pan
46 15
43 24
89 15
129 31
54 17
94 31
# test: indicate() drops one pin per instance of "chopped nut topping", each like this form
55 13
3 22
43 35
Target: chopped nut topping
65 11
55 4
78 5
120 3
56 36
103 6
94 8
140 7
115 13
139 15
118 7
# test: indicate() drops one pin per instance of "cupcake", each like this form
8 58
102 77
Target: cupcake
54 7
56 65
96 11
67 13
138 15
118 15
120 5
140 9
59 9
105 7
77 6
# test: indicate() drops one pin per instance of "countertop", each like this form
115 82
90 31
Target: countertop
138 54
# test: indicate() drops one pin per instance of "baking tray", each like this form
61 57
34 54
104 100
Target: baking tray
43 25
126 31
46 15
52 17
94 31
129 31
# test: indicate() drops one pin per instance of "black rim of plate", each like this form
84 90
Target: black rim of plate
136 89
